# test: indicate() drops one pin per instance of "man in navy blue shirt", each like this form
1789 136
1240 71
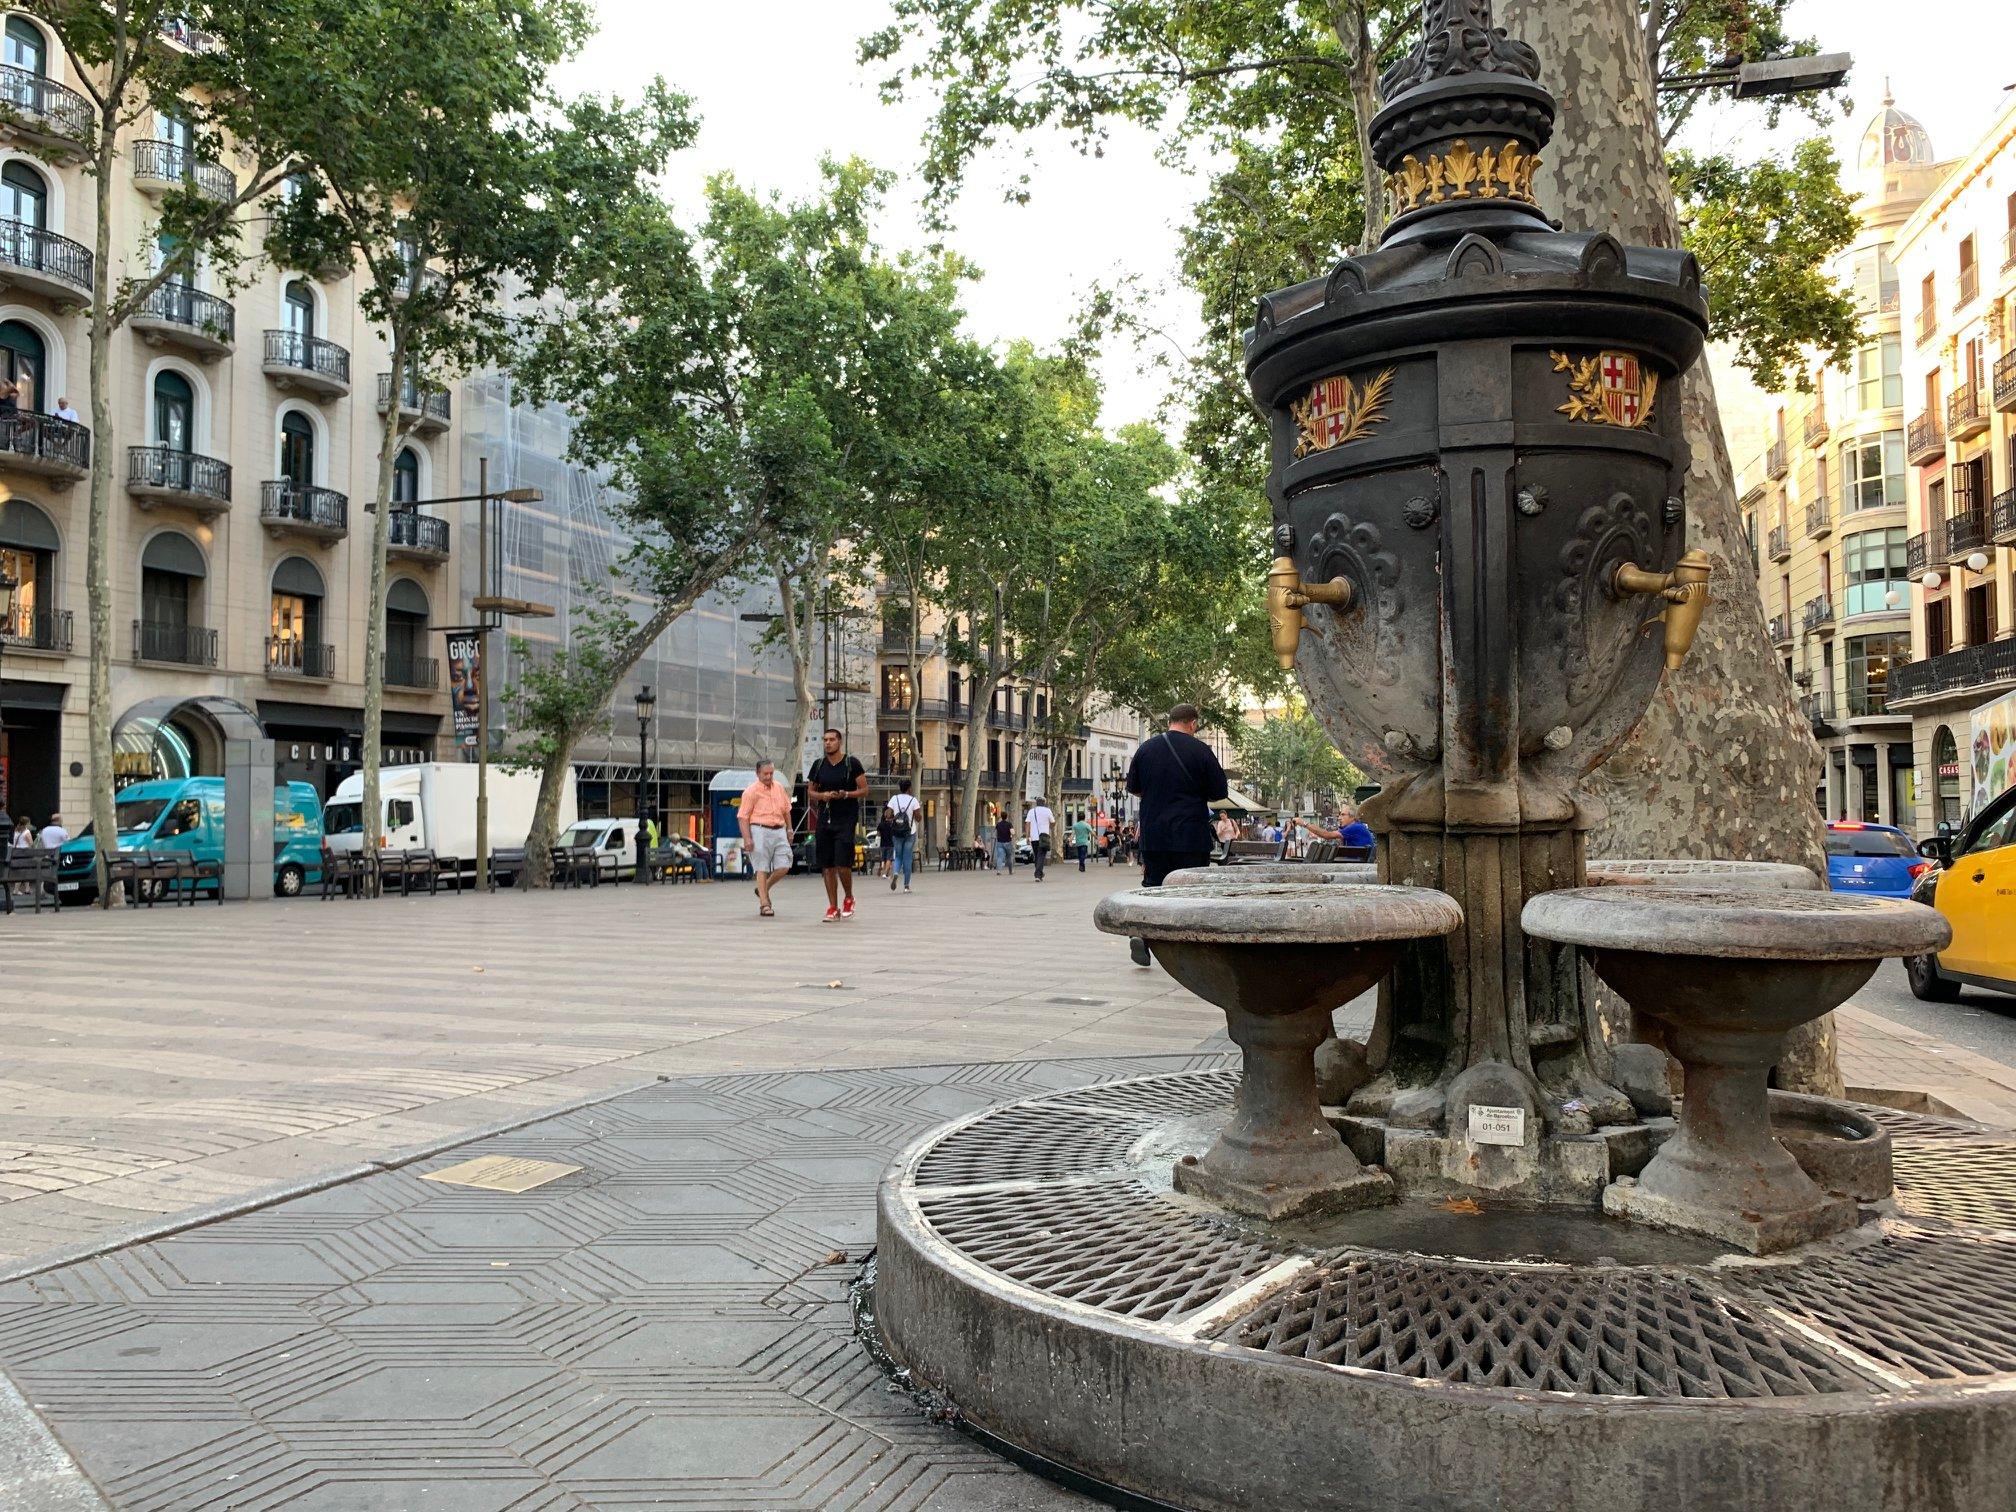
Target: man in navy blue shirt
1176 778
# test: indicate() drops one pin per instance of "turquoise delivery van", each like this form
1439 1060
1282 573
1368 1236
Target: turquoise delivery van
187 813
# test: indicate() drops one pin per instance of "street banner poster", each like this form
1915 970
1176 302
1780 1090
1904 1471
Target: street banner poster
465 683
1994 751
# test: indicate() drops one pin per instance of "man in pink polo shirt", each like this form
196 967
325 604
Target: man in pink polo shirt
765 815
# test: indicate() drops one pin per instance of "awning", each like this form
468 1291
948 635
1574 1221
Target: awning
351 721
32 695
1236 802
25 527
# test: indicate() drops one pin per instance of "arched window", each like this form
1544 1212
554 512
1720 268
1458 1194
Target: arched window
406 477
23 359
298 308
406 635
24 195
297 449
174 411
26 49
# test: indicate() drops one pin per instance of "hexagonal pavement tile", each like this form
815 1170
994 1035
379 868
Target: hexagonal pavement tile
707 1343
412 1394
659 1449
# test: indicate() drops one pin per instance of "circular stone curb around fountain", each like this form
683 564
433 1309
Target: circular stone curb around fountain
1736 924
1330 873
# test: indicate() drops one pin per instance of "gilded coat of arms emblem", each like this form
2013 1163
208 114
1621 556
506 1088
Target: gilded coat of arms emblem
1611 388
1337 411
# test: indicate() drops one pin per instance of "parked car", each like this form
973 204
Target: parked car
1974 886
187 813
1879 860
614 842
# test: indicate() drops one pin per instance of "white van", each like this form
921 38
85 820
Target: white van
432 806
614 842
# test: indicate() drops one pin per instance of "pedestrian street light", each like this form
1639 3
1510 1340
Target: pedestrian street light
1766 78
647 705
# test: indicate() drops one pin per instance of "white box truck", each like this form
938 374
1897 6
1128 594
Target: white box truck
432 806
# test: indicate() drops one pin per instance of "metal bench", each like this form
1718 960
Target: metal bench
416 865
181 876
346 874
36 871
572 864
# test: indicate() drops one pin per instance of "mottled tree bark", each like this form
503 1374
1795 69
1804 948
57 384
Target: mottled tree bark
1722 764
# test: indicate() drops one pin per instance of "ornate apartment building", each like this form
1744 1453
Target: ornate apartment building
1826 506
1956 261
247 428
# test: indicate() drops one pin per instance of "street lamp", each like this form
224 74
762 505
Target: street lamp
647 705
1766 78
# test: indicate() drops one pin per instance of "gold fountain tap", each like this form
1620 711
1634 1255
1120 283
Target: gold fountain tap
1286 594
1685 590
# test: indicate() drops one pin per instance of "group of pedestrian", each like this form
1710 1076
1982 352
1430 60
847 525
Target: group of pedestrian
834 789
23 835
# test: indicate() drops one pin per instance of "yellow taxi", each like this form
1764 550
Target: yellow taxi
1975 887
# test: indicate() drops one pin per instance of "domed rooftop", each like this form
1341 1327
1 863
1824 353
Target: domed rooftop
1893 143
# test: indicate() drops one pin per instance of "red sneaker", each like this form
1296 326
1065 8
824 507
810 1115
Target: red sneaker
832 913
847 909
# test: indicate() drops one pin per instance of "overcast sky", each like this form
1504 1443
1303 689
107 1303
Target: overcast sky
778 86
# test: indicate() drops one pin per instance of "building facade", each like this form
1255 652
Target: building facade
246 423
1956 261
1825 495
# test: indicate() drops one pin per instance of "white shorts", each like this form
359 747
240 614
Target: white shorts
769 849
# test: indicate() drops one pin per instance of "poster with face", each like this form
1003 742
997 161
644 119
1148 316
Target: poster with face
465 683
1994 751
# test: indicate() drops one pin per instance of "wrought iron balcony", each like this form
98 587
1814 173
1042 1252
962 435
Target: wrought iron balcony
1819 711
287 656
1819 518
185 316
1971 671
2002 520
990 778
182 645
896 711
423 411
1816 427
1780 546
1926 326
1780 628
1966 415
1966 533
41 262
1917 552
285 505
297 360
1970 286
412 534
1924 440
1776 463
1008 720
2005 382
1819 616
39 110
163 475
2009 249
42 444
428 281
1077 784
25 629
412 672
165 167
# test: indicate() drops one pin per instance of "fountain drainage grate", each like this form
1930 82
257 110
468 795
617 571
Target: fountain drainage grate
1026 1141
1609 1333
1963 1181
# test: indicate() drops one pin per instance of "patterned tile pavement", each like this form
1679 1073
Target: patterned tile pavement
669 1327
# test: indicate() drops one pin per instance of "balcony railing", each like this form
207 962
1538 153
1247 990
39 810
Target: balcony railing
2005 382
417 534
44 257
412 672
42 107
28 629
1816 428
429 281
1077 784
309 355
1780 544
179 476
1776 463
1966 415
187 308
322 511
184 645
897 710
1009 720
1819 711
2009 249
287 656
1924 440
171 165
1819 518
991 778
1966 533
1970 286
1926 326
1818 614
1968 670
2002 519
430 407
1780 629
46 444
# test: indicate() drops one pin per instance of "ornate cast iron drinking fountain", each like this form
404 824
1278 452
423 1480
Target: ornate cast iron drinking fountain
1474 1260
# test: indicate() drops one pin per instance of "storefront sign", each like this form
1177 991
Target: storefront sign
465 682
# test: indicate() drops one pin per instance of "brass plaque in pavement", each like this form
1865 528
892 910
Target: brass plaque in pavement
502 1173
